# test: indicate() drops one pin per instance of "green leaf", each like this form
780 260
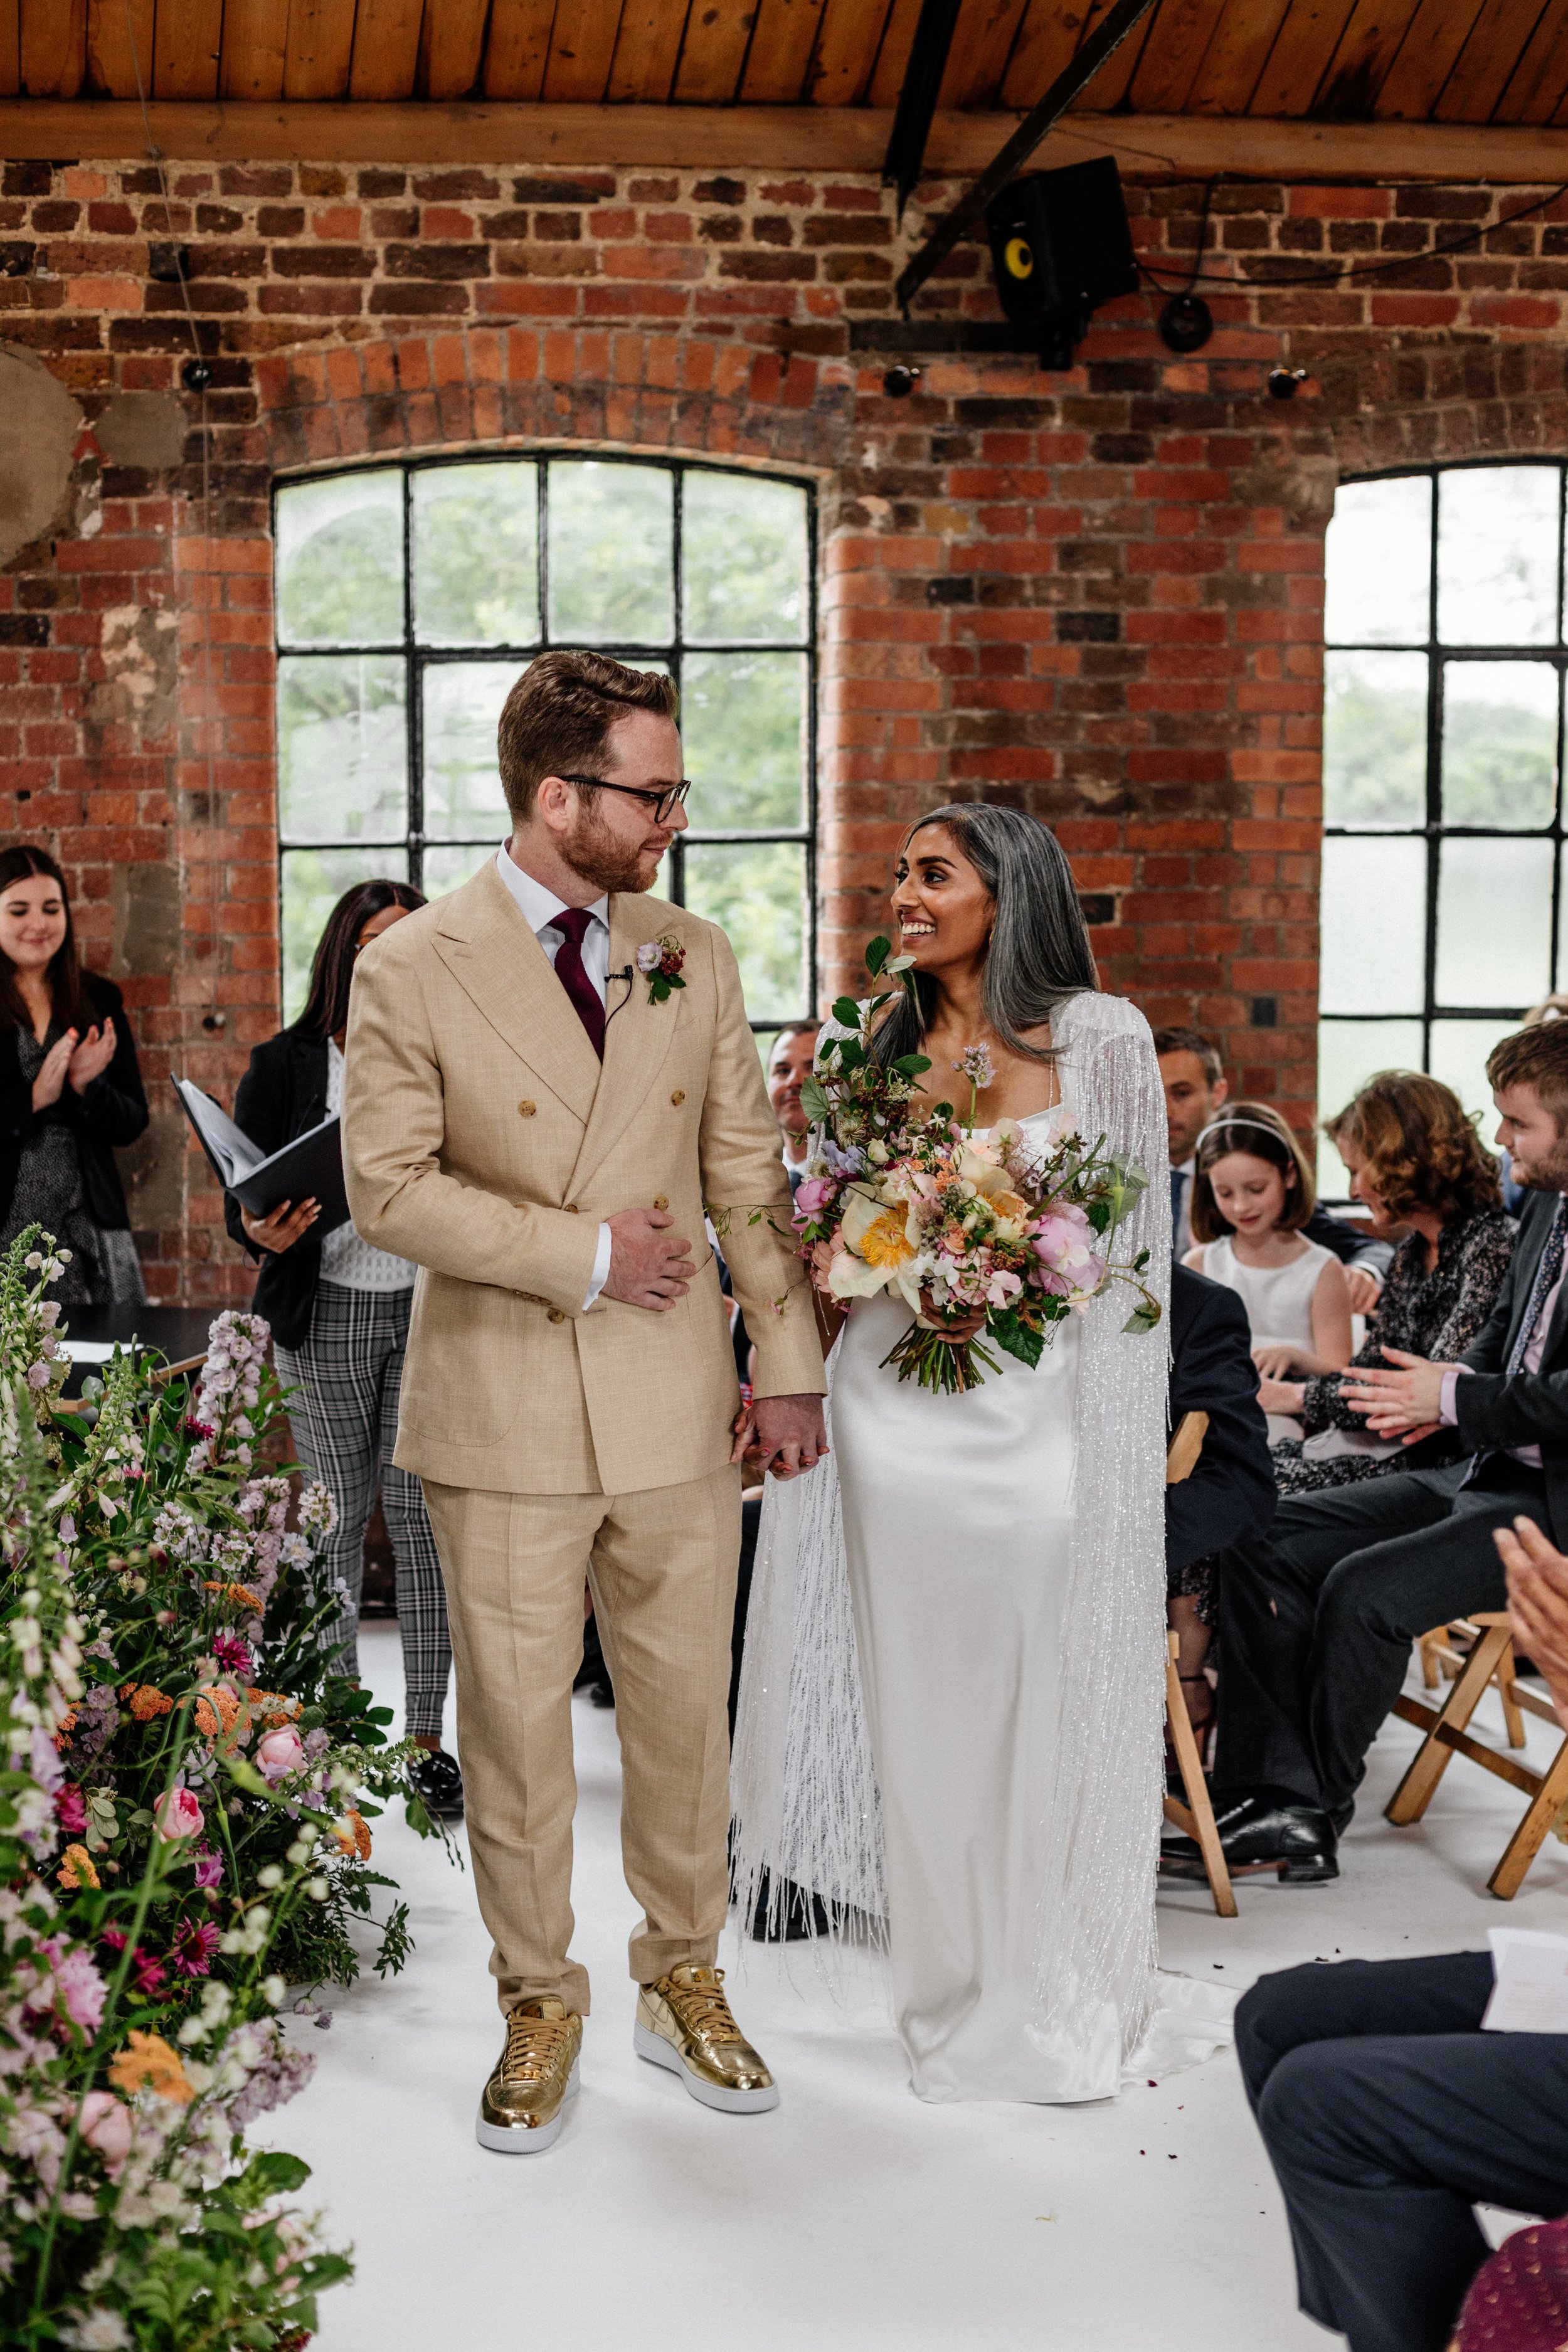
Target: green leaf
846 1013
851 1056
1099 1214
814 1102
1143 1318
877 954
1016 1337
277 2172
911 1066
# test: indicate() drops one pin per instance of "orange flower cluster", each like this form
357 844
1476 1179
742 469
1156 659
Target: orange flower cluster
352 1835
147 2062
216 1711
240 1595
146 1700
273 1707
63 1735
75 1868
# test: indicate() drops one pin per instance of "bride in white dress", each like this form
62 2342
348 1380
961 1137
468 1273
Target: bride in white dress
953 1696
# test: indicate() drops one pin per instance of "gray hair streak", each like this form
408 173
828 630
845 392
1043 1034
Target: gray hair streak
1040 954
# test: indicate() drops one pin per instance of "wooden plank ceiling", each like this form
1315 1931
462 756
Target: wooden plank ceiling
1497 62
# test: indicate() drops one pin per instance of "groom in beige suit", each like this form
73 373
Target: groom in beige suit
541 1125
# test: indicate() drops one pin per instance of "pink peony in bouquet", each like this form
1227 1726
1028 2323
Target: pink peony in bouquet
957 1224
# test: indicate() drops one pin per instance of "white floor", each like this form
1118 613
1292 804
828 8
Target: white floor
853 2216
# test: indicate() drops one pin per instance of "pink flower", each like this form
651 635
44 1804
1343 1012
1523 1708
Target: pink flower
70 1811
191 1953
280 1752
232 1655
811 1197
178 1816
209 1866
77 1982
106 2126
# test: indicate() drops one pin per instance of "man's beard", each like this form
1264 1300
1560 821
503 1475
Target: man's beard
592 850
1547 1174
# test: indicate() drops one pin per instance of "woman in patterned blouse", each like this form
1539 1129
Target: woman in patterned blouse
1415 1160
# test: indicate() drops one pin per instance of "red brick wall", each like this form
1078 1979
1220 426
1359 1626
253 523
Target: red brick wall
1098 595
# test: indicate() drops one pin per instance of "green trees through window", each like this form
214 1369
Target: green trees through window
409 597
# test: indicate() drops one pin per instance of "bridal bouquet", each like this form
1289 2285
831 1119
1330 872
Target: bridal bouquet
918 1205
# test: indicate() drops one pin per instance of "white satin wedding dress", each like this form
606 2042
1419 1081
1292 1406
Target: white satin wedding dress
952 1696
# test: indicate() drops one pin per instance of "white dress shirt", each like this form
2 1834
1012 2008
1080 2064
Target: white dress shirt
539 909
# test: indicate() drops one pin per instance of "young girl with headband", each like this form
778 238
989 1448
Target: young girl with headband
1252 1193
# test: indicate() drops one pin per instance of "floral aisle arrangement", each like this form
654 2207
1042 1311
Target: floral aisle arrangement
184 1796
975 1234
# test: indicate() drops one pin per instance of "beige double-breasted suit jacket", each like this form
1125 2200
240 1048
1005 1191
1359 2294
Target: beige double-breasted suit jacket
483 1140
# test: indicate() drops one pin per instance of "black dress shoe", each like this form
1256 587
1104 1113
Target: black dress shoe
434 1778
1298 1842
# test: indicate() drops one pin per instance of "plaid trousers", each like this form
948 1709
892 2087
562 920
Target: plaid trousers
343 1414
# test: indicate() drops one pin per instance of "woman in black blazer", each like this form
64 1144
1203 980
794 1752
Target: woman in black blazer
338 1311
71 1092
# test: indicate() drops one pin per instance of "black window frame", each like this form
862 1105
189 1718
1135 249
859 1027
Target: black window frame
1440 655
416 658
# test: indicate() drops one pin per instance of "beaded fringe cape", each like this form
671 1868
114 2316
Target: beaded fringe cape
803 1784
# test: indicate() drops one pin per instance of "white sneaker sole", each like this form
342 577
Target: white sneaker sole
507 2141
660 2052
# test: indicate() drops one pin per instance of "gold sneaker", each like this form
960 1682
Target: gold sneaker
520 2107
684 2023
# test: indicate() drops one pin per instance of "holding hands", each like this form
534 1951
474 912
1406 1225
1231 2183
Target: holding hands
76 1059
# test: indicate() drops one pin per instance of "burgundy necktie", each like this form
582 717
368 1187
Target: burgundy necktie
585 998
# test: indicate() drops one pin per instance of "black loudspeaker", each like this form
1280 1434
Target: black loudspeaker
1061 246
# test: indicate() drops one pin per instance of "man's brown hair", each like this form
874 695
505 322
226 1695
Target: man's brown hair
1192 1041
556 720
1536 1056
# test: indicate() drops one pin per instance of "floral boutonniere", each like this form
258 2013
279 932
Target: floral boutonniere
660 961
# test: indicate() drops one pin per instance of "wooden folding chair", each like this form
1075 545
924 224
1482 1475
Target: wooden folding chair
1489 1660
1195 1818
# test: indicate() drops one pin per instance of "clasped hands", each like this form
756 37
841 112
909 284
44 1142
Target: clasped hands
1405 1401
76 1060
649 1267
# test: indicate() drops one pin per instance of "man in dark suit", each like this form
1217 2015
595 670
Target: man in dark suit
1319 1618
1388 2114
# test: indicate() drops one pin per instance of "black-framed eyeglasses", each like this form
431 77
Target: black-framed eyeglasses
660 802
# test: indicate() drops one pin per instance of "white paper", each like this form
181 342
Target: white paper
1530 1991
94 1351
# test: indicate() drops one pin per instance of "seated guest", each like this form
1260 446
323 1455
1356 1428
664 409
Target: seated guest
1230 1493
789 1067
1389 2116
1320 1615
1551 1008
71 1092
1414 1159
1195 1086
1252 1193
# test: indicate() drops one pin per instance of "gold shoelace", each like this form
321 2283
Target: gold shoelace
703 2009
532 2046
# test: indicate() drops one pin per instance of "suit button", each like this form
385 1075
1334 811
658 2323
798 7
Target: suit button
557 1315
526 1109
572 1208
679 1096
661 1201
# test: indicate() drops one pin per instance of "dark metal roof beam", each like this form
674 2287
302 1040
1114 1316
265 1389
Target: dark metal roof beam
1076 77
917 99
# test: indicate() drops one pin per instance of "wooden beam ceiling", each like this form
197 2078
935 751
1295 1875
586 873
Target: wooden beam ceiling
802 138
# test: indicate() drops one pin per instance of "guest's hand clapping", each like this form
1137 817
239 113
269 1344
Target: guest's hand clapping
92 1057
50 1083
1538 1604
1406 1404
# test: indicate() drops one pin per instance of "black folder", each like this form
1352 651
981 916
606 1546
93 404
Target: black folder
312 1167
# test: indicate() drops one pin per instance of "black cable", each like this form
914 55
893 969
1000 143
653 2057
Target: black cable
625 973
1351 270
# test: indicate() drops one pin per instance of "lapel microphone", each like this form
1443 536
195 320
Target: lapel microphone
627 974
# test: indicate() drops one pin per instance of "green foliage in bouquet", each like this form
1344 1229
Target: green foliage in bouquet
186 1788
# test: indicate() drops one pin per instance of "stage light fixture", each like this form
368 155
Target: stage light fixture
1060 246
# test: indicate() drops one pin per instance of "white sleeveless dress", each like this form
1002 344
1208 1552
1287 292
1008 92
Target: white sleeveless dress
954 1670
1279 1302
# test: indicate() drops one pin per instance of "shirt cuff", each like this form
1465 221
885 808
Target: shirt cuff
601 1266
1446 1410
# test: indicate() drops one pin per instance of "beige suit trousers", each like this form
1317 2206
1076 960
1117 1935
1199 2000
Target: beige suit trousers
661 1565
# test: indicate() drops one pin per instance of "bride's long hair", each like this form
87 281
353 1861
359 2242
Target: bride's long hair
1038 953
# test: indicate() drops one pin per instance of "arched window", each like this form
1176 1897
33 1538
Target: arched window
1443 900
409 598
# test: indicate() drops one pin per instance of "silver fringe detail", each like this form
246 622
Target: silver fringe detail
802 1785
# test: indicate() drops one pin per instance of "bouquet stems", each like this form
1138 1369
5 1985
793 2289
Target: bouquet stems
945 1367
